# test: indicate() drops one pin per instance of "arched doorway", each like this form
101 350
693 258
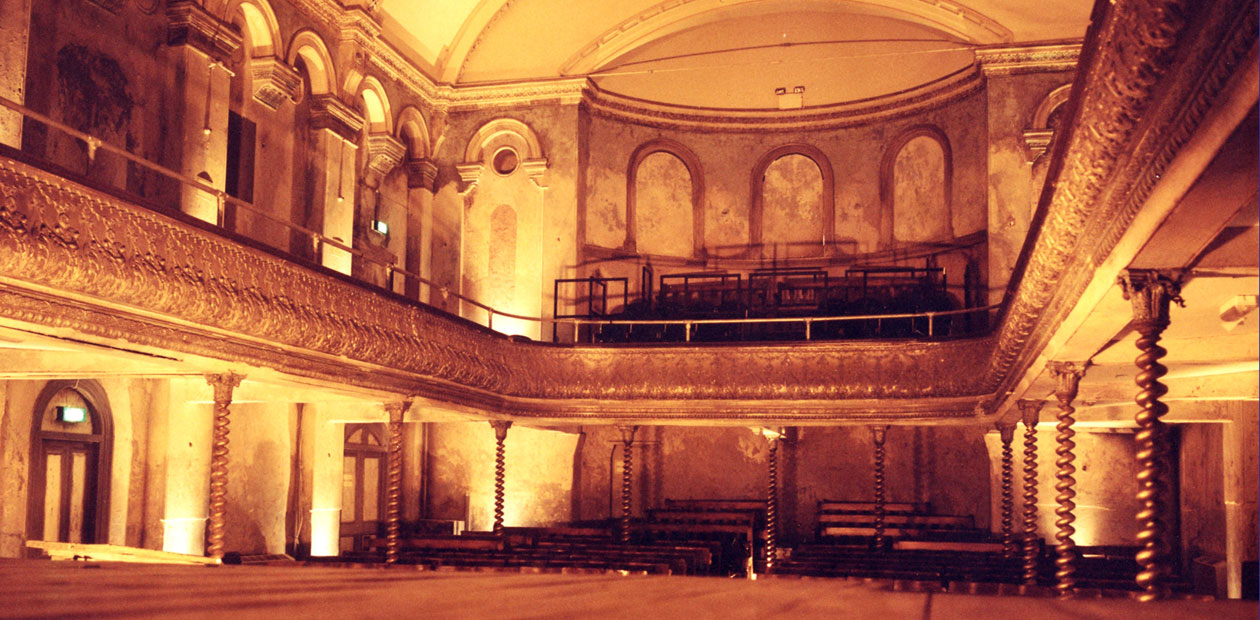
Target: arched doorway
71 445
363 473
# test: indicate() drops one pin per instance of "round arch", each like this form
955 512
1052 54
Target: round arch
1051 102
887 164
261 28
414 132
509 129
100 438
756 212
689 159
308 46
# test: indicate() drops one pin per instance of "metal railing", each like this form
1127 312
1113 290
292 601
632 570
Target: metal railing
319 242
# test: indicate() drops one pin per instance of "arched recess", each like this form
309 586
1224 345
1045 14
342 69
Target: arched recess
1045 120
261 30
320 72
70 464
504 164
377 114
756 214
689 159
413 131
937 217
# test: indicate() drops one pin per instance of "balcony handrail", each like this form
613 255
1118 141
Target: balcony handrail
223 198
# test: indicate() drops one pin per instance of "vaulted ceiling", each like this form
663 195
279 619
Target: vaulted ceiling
720 53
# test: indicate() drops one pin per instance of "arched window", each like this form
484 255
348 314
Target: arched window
362 484
71 445
664 197
916 187
793 209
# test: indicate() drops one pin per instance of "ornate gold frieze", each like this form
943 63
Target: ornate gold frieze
1040 58
1157 68
91 263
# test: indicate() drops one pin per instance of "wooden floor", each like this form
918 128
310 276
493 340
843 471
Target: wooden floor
46 589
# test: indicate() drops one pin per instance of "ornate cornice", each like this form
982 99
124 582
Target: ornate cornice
384 153
1039 58
1155 69
931 96
274 81
190 24
421 173
328 112
91 264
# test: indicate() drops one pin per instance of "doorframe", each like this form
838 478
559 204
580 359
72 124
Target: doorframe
98 408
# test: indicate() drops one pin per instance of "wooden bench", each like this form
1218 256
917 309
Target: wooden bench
903 520
833 506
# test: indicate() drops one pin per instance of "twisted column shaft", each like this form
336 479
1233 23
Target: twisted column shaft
1007 432
1068 381
1151 294
877 434
500 471
1030 411
393 486
772 503
627 481
223 385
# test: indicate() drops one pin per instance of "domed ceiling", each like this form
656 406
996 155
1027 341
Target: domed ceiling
724 54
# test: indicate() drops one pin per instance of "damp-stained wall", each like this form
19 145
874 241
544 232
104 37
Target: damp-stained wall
1106 484
258 478
1012 193
538 477
945 467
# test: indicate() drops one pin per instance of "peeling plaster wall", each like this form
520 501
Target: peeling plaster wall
1202 491
1106 485
545 216
727 160
539 474
258 478
792 199
920 207
663 206
1012 100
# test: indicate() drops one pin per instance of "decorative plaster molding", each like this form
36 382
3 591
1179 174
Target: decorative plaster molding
328 112
190 24
87 262
932 96
1159 67
384 153
274 81
1041 58
421 173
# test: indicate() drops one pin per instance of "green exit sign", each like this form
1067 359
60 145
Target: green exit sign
71 415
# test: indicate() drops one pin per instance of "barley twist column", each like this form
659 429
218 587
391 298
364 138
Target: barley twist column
1007 431
877 434
1068 377
1029 411
500 469
772 498
223 385
1151 294
394 481
627 479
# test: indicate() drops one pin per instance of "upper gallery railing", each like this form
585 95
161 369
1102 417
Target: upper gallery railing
318 241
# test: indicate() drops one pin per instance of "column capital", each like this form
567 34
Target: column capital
878 433
421 173
1068 377
274 81
1150 291
384 153
187 23
1006 430
396 410
1030 411
627 433
500 428
328 112
223 384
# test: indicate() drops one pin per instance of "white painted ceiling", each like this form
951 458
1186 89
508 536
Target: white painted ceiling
719 53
